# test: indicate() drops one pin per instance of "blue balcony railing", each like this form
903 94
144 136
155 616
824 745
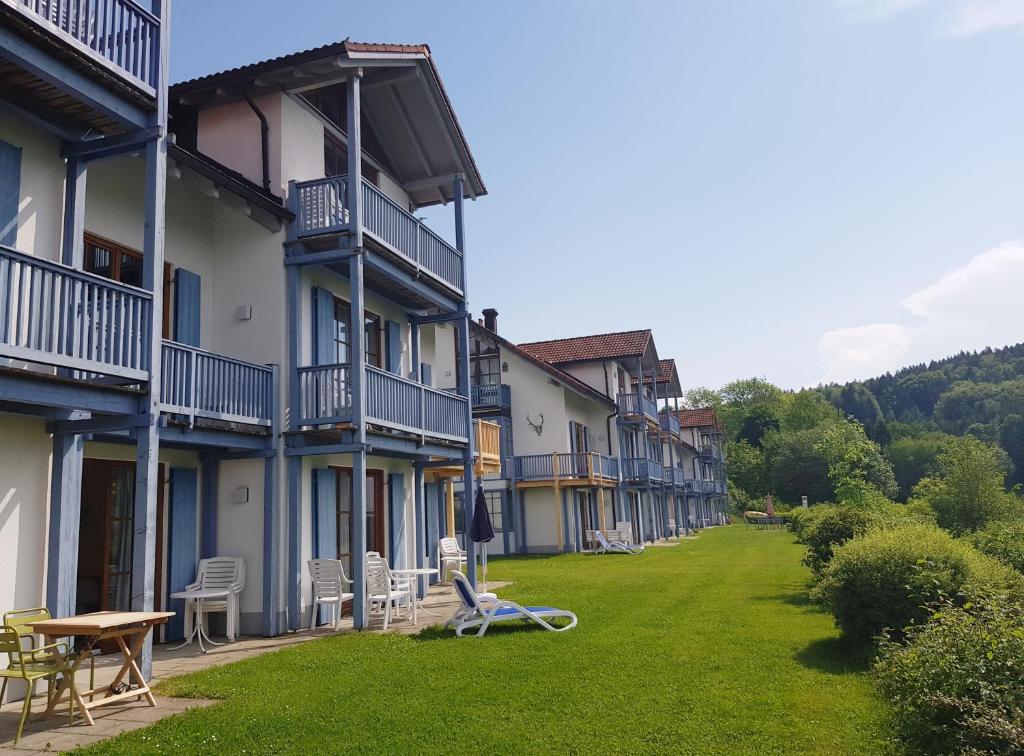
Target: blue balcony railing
320 209
118 34
678 476
325 398
492 396
55 315
637 405
197 383
669 422
572 466
635 469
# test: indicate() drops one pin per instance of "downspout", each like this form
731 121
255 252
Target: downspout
608 420
264 141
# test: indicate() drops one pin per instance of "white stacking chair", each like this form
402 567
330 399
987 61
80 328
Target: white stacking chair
383 592
449 557
329 581
226 573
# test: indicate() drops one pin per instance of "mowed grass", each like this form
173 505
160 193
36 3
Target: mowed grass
705 647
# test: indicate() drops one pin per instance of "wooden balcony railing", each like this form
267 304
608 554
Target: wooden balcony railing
487 438
493 395
197 383
119 34
320 206
569 467
638 469
325 397
637 405
669 422
55 315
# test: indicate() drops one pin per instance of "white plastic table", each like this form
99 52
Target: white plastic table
412 573
198 630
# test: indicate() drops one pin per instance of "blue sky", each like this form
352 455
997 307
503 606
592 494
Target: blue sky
805 191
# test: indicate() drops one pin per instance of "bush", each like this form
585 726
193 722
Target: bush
884 579
1002 540
830 527
956 684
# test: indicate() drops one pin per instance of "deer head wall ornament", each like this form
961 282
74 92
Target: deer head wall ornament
538 428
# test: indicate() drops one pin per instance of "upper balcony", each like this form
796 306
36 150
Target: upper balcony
639 470
96 332
491 397
710 452
321 211
487 457
669 422
119 37
392 402
587 469
678 476
638 407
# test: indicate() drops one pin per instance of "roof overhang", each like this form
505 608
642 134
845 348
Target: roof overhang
402 96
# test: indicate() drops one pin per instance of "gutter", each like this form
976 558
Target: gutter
264 140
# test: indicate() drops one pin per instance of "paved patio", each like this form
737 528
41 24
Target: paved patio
54 734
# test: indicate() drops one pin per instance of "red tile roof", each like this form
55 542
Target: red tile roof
602 346
699 418
665 370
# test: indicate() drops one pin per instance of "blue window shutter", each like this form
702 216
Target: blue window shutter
186 307
394 344
10 192
430 505
425 374
181 543
572 436
396 533
323 327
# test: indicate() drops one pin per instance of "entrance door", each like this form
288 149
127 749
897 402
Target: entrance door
374 514
106 536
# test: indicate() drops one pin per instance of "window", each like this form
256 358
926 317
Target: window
494 502
122 264
336 161
620 373
332 102
487 370
372 331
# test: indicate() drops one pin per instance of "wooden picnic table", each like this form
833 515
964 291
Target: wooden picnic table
127 629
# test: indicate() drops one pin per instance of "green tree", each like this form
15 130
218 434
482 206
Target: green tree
797 467
967 491
1011 438
747 469
702 396
855 462
758 421
913 457
806 409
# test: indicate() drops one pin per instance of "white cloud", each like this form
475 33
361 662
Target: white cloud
970 307
959 18
862 351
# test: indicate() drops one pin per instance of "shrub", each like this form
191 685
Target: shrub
956 684
884 579
1002 540
832 526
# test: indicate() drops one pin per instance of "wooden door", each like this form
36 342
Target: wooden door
375 540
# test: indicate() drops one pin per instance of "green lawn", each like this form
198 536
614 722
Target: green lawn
705 647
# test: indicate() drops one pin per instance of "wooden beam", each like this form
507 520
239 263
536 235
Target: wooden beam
389 80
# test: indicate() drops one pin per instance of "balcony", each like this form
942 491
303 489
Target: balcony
491 397
320 210
393 402
55 315
678 476
710 452
638 406
118 35
566 469
638 470
487 445
200 384
669 422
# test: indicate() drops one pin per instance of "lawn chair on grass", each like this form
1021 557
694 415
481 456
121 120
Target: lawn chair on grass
480 611
329 583
604 546
43 663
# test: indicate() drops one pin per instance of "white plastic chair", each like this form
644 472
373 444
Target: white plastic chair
449 557
329 581
604 546
383 592
226 573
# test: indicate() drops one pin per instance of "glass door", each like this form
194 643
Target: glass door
374 514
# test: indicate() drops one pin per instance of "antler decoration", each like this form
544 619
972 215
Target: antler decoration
538 428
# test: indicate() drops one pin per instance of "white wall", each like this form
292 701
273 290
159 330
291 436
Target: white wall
41 205
230 134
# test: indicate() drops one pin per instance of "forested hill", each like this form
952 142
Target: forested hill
980 393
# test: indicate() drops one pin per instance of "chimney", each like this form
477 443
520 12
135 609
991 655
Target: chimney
491 319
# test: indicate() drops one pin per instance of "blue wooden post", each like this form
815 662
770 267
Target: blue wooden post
294 579
208 532
686 518
65 514
73 243
147 447
414 350
468 474
396 520
271 531
522 542
359 539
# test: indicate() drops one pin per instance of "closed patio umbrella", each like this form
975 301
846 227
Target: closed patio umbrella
769 506
481 530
